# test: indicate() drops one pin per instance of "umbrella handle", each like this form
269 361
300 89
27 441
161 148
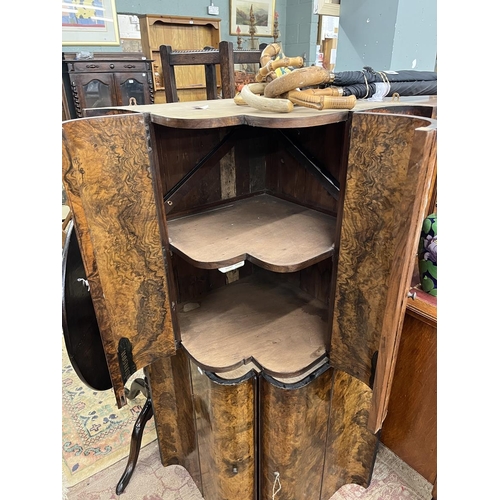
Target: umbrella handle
264 103
269 64
321 101
302 77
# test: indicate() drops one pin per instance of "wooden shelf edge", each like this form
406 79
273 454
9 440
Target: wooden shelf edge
423 307
243 366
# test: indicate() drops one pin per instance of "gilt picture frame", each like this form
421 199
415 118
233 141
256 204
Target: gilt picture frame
263 11
89 22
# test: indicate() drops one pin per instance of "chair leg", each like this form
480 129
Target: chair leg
137 432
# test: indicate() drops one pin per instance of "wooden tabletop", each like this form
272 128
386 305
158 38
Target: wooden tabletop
225 112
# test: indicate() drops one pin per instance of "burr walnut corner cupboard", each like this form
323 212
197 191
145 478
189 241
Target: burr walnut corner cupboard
257 266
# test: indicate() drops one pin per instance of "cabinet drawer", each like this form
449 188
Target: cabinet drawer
95 66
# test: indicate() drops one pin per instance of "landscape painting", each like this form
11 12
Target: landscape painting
241 12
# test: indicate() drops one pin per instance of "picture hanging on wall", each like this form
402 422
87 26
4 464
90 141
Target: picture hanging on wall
241 17
89 22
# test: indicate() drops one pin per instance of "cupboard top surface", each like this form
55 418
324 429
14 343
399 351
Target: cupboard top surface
105 56
225 112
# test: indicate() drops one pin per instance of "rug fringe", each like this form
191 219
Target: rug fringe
64 491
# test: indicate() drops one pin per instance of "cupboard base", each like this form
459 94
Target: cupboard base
240 437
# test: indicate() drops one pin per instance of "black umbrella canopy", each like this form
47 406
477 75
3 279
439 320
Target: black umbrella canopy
365 91
369 75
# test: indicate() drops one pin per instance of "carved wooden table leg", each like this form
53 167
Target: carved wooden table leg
135 443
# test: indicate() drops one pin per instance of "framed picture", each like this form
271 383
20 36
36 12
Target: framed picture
327 7
241 12
89 22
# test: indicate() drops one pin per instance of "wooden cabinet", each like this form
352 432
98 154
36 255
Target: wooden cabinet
257 266
410 429
328 7
106 80
182 33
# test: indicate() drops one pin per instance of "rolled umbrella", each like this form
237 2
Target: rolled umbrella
363 91
369 75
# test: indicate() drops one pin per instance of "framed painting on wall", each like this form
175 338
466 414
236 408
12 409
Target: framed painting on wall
89 22
242 11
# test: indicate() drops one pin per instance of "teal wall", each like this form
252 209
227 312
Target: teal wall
194 8
384 34
388 35
301 30
415 39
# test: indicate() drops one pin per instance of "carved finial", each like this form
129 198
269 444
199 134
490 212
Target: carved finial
276 32
239 39
251 29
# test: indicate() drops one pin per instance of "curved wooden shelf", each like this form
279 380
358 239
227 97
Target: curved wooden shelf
244 371
273 233
260 319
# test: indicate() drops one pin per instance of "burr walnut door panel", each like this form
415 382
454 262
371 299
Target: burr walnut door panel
226 432
314 435
390 167
256 435
117 210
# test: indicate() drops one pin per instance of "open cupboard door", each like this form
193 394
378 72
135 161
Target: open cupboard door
117 209
391 165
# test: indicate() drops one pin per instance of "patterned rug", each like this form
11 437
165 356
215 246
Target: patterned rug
95 433
392 480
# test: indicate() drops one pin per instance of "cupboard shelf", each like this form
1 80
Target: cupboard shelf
263 318
268 231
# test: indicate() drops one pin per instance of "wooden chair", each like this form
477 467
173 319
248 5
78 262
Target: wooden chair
230 57
225 56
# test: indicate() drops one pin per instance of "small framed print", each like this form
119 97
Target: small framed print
89 22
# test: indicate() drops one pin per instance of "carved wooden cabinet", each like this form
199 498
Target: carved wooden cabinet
257 267
108 79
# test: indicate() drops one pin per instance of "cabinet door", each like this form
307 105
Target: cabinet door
225 427
134 85
117 209
93 91
390 164
294 424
